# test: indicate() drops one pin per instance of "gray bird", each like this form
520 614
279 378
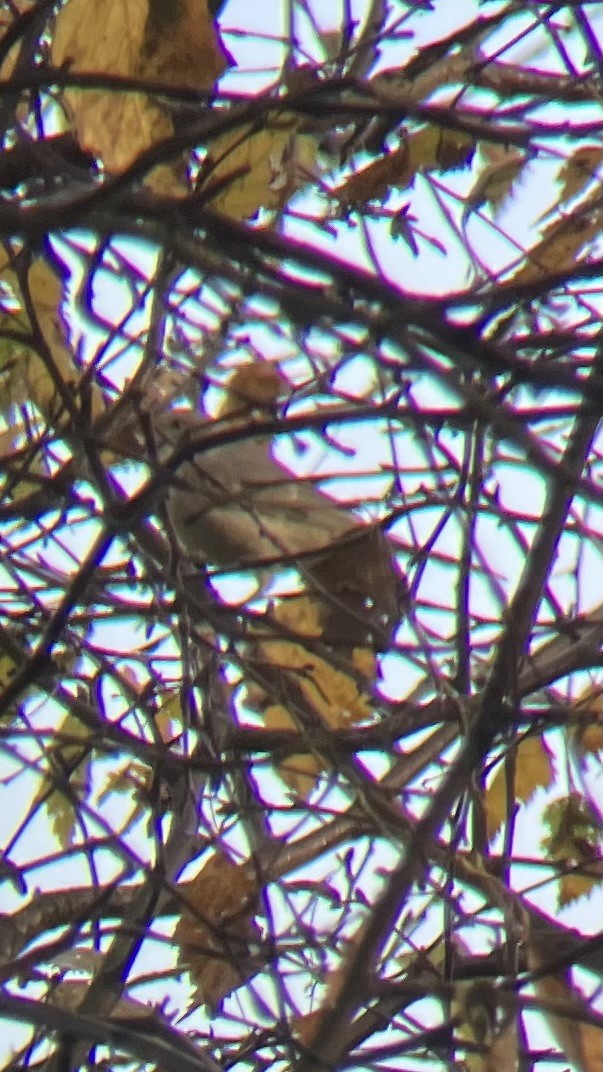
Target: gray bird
233 505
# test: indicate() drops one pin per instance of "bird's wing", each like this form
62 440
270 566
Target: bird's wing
236 504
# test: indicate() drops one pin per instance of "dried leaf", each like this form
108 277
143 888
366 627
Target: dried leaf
431 148
587 738
533 770
215 931
253 386
123 40
582 1043
562 242
495 183
575 885
574 841
27 376
578 170
248 169
68 762
325 691
7 19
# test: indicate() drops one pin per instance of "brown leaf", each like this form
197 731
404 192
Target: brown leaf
430 149
215 931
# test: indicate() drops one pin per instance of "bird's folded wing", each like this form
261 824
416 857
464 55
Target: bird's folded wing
235 505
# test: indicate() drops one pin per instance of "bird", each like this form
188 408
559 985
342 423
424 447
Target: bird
234 505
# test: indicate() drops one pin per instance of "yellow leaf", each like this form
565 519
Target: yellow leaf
533 769
573 886
582 1043
574 842
562 242
299 770
46 293
134 781
495 183
327 692
7 670
591 739
66 762
332 693
574 828
169 717
107 38
300 615
119 38
7 18
248 169
12 313
27 378
578 170
587 738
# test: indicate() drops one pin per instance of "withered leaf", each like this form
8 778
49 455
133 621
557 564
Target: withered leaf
119 40
533 770
216 928
431 148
